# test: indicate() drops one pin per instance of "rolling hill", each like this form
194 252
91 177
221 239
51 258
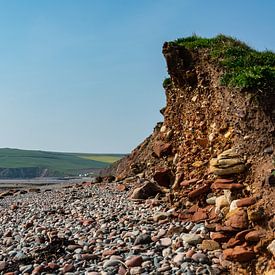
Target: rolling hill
16 163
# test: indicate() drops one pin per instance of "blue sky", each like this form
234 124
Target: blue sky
86 75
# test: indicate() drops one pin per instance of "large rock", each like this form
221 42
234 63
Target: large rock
146 191
210 245
238 254
246 202
199 191
237 219
227 163
163 177
192 239
161 149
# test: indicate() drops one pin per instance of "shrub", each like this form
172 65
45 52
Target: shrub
166 82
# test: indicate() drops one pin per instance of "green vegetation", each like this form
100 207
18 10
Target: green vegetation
58 164
110 158
166 82
244 66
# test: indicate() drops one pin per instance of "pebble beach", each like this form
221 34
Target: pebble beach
96 229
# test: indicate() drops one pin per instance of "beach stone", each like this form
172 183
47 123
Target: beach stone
210 245
109 263
67 268
179 258
137 270
134 261
227 186
122 270
20 256
165 242
143 239
200 215
164 269
38 269
160 216
200 258
198 191
192 239
3 265
149 189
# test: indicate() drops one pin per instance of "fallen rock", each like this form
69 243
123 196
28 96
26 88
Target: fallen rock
192 239
221 201
210 245
253 236
165 242
143 239
200 258
163 177
245 202
159 216
198 191
161 149
227 186
218 237
149 189
227 163
238 254
200 215
134 261
271 248
255 214
237 219
67 268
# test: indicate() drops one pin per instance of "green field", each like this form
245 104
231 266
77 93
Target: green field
61 164
101 157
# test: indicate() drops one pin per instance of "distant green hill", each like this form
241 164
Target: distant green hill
28 163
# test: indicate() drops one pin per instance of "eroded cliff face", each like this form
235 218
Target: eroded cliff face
214 141
201 120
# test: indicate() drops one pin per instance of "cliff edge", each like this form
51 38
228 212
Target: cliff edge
213 154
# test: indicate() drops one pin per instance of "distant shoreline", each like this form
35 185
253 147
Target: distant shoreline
37 182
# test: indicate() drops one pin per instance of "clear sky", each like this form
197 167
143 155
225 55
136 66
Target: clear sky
86 75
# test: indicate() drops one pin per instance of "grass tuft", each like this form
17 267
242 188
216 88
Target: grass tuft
244 66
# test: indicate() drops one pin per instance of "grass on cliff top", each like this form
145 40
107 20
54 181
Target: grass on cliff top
244 66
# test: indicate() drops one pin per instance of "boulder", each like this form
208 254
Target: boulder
237 219
149 189
163 177
162 148
238 254
227 163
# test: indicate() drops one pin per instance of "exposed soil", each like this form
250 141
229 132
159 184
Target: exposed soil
202 119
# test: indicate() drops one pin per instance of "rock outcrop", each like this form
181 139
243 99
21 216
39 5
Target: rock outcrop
214 141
